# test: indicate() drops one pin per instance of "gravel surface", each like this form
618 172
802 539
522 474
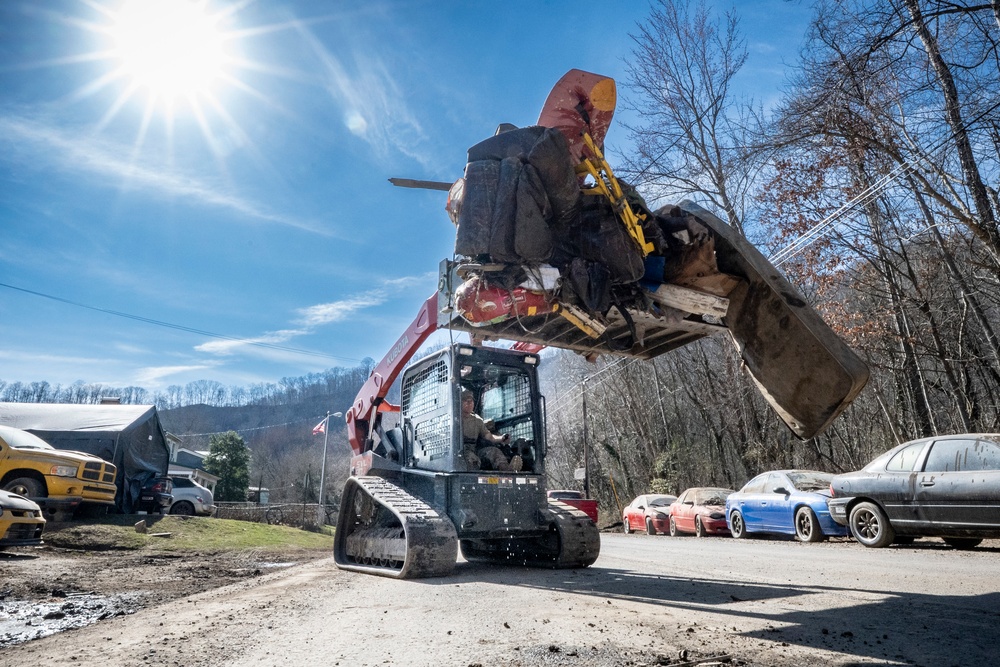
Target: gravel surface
649 600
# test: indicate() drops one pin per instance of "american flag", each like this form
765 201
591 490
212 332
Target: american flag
320 427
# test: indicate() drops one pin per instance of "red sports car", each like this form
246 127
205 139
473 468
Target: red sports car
700 510
648 511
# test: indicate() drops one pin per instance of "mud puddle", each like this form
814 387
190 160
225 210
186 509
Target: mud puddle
24 620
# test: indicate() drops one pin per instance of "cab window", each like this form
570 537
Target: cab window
963 455
774 482
507 402
509 397
905 459
755 485
985 456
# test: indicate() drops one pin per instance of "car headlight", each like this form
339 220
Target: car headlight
660 515
716 515
63 471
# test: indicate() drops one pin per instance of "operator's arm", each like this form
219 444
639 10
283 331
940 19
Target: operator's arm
485 435
489 436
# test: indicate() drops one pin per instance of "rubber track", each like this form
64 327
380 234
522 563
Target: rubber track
578 535
426 548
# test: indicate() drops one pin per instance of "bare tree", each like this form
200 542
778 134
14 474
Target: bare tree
694 137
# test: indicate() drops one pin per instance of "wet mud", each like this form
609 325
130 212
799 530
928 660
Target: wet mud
24 620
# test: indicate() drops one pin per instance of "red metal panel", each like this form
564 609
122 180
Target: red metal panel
580 102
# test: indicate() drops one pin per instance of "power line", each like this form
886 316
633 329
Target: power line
822 228
179 327
572 392
245 430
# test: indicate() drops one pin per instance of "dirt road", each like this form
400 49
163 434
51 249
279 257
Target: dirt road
647 600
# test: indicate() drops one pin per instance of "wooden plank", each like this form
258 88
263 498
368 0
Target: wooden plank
690 301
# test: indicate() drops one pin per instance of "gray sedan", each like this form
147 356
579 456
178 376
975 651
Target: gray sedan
945 486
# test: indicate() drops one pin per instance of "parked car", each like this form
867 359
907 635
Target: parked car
946 486
791 502
155 497
576 499
57 480
190 497
21 521
700 510
648 511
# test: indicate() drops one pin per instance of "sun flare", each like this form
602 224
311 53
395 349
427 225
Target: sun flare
171 48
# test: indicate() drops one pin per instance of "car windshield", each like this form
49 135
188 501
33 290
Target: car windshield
661 501
711 496
810 481
19 439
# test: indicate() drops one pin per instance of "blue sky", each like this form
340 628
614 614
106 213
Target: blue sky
238 186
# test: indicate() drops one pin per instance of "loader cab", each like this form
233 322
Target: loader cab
504 384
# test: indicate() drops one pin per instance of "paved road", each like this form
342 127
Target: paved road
647 600
925 604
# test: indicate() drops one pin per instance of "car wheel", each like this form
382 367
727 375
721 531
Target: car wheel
699 530
627 528
29 487
182 507
737 526
649 527
962 542
673 528
871 526
807 526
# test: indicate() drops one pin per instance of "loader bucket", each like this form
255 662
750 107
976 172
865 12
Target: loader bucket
802 368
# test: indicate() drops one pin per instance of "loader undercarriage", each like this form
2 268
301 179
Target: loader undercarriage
385 531
571 541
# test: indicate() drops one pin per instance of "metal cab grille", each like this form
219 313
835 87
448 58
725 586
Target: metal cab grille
98 471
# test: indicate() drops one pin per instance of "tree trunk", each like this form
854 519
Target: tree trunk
985 227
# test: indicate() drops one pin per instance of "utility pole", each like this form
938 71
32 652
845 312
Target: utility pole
586 444
321 510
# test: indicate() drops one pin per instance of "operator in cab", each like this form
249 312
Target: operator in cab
479 443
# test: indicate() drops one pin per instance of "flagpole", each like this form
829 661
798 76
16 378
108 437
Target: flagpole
320 512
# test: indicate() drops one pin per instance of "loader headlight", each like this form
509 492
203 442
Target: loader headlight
63 471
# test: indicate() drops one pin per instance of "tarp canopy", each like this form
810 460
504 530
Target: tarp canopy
130 436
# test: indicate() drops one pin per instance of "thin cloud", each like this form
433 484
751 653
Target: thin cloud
228 347
56 359
373 106
313 317
153 374
411 281
74 152
335 311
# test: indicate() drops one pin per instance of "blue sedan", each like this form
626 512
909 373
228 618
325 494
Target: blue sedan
790 502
